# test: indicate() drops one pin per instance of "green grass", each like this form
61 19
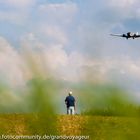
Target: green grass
97 127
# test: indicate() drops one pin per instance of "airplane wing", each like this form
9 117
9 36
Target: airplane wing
137 36
117 35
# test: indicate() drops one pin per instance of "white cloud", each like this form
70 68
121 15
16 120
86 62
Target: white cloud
50 56
122 66
63 13
54 34
71 67
99 70
76 66
61 9
125 8
18 3
10 64
55 57
13 17
122 3
15 11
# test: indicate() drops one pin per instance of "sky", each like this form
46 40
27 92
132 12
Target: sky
72 39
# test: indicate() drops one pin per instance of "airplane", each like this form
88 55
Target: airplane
127 35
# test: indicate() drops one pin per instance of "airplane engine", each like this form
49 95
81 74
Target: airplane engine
123 35
131 34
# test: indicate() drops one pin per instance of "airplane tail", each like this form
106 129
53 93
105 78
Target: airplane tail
116 35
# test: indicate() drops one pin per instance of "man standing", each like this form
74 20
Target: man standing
70 103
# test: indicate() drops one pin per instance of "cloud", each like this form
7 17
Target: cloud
60 12
55 57
13 17
74 66
18 3
122 3
116 15
15 11
54 34
10 64
79 67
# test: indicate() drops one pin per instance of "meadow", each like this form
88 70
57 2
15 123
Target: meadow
100 127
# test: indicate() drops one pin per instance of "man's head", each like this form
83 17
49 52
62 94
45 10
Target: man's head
70 93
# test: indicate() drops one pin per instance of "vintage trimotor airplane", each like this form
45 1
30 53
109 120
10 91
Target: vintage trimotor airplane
127 35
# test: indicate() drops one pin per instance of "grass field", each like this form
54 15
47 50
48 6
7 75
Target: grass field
97 127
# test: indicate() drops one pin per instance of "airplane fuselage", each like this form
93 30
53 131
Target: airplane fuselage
131 35
128 35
